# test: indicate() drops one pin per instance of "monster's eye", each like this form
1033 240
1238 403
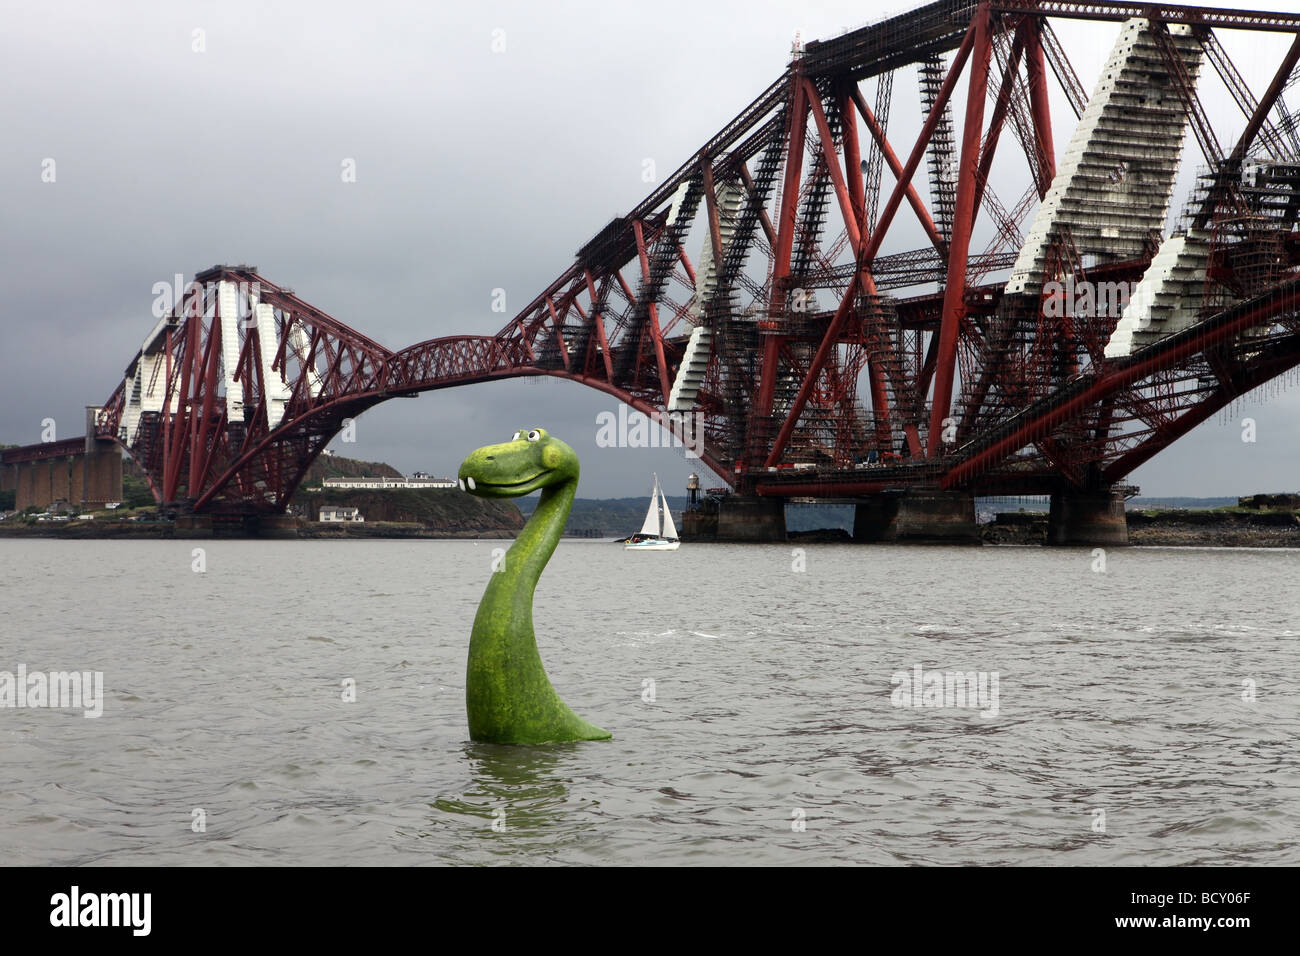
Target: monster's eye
534 435
516 438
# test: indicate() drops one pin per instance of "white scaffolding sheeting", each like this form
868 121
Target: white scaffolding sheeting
1114 184
228 311
1168 297
690 374
299 342
277 392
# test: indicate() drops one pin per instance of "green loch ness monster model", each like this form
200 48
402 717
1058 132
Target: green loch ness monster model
508 697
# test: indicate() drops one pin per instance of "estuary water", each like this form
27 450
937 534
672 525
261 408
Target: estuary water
302 702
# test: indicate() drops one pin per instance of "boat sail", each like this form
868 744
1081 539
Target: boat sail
670 529
658 533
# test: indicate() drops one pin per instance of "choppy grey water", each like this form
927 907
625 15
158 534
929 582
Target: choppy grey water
1124 732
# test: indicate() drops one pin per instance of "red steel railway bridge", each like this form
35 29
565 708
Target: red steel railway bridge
1046 342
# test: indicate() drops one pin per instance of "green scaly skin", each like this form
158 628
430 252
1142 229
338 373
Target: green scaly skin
508 697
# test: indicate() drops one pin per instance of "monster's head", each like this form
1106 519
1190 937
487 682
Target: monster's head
530 460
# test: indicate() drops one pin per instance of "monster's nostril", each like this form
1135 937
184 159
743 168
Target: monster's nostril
490 458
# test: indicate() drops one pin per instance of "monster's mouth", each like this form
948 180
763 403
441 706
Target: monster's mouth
499 485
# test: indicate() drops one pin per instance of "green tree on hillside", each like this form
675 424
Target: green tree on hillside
135 492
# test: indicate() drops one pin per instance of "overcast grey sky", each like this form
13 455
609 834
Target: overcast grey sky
475 170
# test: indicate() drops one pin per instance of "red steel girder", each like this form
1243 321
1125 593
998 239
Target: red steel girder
796 120
1113 11
867 252
52 449
954 294
1164 354
1039 103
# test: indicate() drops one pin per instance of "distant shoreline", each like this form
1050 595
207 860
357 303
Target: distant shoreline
116 530
1193 529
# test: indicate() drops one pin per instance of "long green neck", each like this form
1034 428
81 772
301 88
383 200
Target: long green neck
508 697
528 556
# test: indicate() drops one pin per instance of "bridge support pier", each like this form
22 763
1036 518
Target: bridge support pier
697 526
917 517
194 526
1087 518
277 526
84 472
742 518
189 525
98 475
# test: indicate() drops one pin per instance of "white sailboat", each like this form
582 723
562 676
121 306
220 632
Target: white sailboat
654 534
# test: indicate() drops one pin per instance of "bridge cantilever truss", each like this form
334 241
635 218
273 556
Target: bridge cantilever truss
824 358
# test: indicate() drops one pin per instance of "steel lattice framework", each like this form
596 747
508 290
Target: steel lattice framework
785 333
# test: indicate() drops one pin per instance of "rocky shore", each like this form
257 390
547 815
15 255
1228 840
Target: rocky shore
1265 529
1239 528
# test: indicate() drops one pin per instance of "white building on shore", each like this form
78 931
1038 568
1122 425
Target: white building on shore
341 514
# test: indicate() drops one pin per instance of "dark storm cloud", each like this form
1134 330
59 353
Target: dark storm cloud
475 170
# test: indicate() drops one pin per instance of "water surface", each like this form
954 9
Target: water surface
771 737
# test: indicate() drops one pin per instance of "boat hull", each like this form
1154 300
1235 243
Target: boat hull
652 546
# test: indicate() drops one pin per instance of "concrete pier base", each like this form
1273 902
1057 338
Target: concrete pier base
698 526
277 526
194 526
751 519
917 517
1087 518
